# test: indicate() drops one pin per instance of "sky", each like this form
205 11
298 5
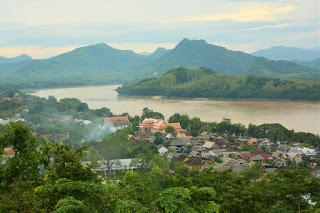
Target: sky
44 28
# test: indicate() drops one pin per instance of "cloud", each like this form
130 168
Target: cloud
249 13
46 28
34 51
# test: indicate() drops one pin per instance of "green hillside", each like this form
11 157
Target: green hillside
86 65
198 53
204 83
101 64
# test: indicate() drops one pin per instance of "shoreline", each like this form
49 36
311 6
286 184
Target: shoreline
215 109
34 90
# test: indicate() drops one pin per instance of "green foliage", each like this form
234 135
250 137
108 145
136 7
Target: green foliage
128 206
87 65
148 113
94 195
52 178
117 146
182 119
170 130
61 161
158 138
70 205
225 126
20 173
195 126
174 199
68 104
201 83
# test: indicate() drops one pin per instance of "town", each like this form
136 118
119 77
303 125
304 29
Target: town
198 145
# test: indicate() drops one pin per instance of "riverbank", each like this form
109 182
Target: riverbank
297 115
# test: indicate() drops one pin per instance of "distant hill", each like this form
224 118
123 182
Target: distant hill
101 64
289 53
197 53
205 83
315 64
158 53
93 64
18 59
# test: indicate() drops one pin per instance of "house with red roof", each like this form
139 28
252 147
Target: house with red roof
243 156
260 156
118 122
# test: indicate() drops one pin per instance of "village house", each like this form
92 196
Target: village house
151 125
162 150
118 122
8 153
235 165
210 145
221 142
107 166
307 151
204 136
279 154
257 156
252 141
243 156
294 156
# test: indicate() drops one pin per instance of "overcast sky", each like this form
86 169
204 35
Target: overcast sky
44 28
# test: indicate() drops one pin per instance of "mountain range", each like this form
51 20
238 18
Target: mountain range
289 53
18 59
100 64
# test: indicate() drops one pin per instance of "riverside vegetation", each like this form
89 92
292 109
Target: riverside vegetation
205 83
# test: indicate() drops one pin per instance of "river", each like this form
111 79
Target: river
300 116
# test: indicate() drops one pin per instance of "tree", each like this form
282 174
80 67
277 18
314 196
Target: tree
20 173
148 113
103 112
70 205
195 126
170 130
57 195
135 121
61 161
158 138
184 120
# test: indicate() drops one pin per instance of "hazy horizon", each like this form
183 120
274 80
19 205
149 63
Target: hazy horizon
44 29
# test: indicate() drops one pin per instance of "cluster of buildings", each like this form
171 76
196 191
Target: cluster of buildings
212 151
209 150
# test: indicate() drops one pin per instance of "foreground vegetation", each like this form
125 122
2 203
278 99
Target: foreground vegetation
205 83
44 177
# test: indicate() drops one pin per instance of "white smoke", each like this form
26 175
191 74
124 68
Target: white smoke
99 130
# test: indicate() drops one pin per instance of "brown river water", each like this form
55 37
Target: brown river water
300 116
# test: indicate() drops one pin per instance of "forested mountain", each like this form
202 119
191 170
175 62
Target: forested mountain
198 53
289 53
18 59
204 83
100 64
